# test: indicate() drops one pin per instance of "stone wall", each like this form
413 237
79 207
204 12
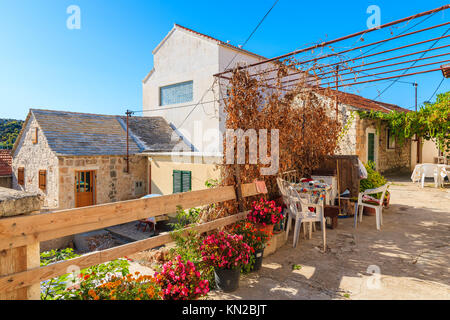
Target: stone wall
354 141
6 181
34 157
387 159
112 182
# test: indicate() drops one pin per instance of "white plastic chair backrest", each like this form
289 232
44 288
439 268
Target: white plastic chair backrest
381 189
428 169
296 199
283 185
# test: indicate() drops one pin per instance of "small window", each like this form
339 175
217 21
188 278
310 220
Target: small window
139 188
176 93
390 139
181 181
21 176
42 179
34 137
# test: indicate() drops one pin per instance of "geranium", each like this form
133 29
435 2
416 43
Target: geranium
255 237
265 212
180 280
225 251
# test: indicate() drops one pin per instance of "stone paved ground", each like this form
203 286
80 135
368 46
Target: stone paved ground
411 251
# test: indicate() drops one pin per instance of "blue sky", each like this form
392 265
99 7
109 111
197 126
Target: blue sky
99 68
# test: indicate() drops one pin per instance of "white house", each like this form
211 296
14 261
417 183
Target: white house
184 64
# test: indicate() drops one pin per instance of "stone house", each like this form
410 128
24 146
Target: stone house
366 138
78 159
5 168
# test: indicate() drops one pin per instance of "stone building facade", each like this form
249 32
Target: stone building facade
79 152
387 157
113 183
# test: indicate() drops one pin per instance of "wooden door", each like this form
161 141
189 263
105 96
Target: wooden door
84 188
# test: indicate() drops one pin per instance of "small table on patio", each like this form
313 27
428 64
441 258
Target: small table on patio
317 191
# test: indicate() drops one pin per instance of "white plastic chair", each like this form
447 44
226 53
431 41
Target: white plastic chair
299 211
428 170
378 207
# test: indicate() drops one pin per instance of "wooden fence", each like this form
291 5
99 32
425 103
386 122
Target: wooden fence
20 274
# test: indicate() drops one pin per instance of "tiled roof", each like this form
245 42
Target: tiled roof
363 103
5 162
71 133
220 42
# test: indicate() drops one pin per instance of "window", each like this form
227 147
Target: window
21 176
181 181
138 188
34 137
176 93
42 179
390 139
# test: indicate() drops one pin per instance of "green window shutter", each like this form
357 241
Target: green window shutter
371 147
181 181
176 181
186 181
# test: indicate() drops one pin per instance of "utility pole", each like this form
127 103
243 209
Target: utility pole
415 88
128 113
419 142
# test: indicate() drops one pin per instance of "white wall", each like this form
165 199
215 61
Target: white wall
184 56
429 151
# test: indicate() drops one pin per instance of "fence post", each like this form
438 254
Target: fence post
12 203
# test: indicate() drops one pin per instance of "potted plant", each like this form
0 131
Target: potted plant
265 214
180 280
256 238
227 253
374 180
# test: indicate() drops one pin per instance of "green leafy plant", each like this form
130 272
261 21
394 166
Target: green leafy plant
68 287
54 288
187 247
431 122
211 183
374 179
185 218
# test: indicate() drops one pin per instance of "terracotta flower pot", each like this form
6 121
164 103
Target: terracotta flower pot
267 227
367 211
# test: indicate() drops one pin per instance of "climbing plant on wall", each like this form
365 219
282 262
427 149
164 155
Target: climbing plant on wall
431 121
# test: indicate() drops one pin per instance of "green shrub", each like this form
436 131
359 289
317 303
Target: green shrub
374 179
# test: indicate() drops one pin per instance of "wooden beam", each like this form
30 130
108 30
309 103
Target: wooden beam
24 279
24 230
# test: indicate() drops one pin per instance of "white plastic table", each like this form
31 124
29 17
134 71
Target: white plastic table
430 170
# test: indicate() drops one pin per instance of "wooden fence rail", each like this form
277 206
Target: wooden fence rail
26 231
